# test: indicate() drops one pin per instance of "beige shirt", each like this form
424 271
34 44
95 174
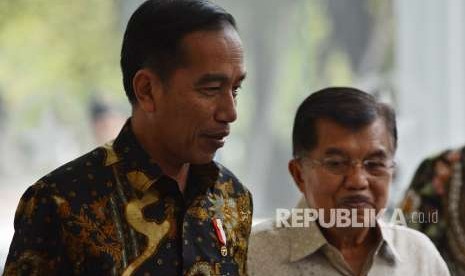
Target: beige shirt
305 251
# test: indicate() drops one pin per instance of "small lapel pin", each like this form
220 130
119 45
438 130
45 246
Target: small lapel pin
218 225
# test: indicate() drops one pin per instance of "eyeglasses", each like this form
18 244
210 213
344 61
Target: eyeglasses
341 166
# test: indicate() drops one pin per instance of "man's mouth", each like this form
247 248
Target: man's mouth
217 139
356 201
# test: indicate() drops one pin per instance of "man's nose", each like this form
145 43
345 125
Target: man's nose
226 109
356 177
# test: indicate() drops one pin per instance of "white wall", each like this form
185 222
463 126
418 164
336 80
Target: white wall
430 75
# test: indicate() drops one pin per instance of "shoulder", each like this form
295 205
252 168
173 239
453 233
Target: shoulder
268 230
399 234
65 190
402 236
226 177
266 237
268 248
85 170
88 162
74 181
410 243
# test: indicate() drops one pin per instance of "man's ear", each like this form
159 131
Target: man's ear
147 87
295 168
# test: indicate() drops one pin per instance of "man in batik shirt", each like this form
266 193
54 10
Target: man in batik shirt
438 191
153 201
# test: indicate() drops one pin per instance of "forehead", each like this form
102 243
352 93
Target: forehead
335 138
212 48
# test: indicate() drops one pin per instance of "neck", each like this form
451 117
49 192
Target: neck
170 167
355 245
180 176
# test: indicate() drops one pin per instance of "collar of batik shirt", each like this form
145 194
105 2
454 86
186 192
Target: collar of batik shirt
142 172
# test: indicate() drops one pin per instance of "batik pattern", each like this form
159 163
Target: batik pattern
439 186
113 212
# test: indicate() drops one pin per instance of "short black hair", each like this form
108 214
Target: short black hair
349 107
155 30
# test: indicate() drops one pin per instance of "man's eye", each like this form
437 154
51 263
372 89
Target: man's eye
334 163
235 91
374 164
210 90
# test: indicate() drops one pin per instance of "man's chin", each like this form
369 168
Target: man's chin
201 159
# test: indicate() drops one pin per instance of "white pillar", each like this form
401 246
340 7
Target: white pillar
430 77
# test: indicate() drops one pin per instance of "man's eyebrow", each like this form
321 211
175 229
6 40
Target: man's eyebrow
242 77
208 78
334 151
378 154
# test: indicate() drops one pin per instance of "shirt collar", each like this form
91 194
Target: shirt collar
387 248
141 171
305 241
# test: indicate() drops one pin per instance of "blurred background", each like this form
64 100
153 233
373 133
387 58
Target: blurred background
61 92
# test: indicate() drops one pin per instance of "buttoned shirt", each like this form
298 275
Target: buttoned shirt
305 251
114 212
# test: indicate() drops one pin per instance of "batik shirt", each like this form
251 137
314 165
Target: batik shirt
438 192
114 212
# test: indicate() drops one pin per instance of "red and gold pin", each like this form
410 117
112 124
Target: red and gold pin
218 225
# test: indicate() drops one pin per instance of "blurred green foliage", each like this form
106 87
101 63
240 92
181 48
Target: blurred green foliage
58 55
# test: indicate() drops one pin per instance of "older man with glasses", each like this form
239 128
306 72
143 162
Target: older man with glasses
344 143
